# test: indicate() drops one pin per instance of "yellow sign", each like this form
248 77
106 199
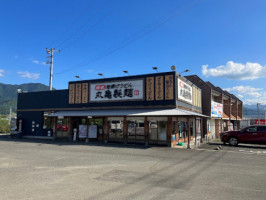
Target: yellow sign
159 88
169 87
150 89
71 95
78 93
84 92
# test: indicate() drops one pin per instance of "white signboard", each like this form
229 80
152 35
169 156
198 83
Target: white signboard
116 91
217 109
82 131
92 131
184 91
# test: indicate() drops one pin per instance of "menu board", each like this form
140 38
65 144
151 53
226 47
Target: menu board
82 131
92 131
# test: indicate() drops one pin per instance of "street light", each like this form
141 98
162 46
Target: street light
187 70
155 68
126 72
100 74
77 77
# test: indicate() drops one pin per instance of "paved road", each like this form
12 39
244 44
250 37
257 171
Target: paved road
47 170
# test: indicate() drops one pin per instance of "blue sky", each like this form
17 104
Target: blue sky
222 41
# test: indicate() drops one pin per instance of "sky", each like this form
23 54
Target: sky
221 41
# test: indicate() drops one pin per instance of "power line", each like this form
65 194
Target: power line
71 25
94 25
83 25
133 38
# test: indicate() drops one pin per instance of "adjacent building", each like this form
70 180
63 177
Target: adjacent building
224 110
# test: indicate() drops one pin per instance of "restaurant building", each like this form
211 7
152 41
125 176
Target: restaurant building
151 109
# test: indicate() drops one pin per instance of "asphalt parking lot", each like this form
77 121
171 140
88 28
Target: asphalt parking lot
37 169
241 148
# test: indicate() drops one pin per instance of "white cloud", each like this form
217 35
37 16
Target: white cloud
38 62
28 75
255 101
243 89
236 71
249 94
2 72
246 91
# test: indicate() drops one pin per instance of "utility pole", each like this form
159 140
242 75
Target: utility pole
258 112
264 116
10 114
51 53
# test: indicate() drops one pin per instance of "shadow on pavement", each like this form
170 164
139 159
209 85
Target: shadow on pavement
7 138
241 145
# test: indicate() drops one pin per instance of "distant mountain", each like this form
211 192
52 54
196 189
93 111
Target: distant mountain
8 94
251 111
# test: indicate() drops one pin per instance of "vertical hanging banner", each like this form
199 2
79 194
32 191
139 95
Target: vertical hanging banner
149 88
169 87
71 93
116 91
159 88
84 92
184 91
78 93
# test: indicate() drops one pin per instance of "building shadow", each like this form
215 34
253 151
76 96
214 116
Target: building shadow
241 145
7 138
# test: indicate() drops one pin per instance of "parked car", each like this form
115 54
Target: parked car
251 134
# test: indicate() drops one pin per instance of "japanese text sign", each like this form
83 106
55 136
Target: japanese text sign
116 91
184 91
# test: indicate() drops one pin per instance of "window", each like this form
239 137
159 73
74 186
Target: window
252 129
135 130
62 125
116 129
262 128
47 124
157 130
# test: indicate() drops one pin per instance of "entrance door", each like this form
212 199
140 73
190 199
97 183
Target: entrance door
116 130
157 132
135 131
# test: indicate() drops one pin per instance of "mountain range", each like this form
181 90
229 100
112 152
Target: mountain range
8 95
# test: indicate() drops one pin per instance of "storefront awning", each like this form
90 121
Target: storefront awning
233 117
127 112
225 116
